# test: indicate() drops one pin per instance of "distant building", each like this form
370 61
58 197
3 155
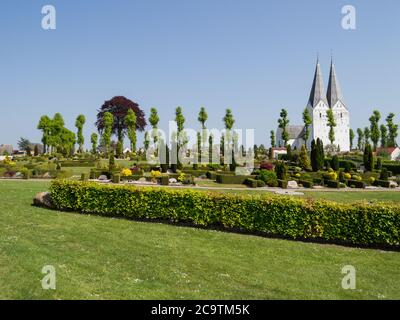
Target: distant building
277 151
318 105
392 153
6 149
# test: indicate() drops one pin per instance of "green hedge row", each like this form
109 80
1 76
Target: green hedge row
382 183
393 167
356 183
232 179
77 163
306 183
355 223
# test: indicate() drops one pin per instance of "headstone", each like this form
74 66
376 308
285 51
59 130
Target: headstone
292 184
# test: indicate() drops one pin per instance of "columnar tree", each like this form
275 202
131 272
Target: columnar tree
304 160
228 122
374 128
360 140
368 158
146 142
367 135
107 125
79 123
307 120
393 130
317 155
181 137
210 148
93 139
130 122
331 124
202 118
154 119
45 126
283 122
351 135
272 137
384 136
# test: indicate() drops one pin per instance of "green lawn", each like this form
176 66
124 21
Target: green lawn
104 258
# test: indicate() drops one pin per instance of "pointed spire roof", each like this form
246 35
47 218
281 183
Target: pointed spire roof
317 90
334 93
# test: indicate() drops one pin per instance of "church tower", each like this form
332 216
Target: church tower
340 111
317 107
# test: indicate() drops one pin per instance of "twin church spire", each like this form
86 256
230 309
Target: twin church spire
317 94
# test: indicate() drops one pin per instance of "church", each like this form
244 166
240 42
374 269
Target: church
317 106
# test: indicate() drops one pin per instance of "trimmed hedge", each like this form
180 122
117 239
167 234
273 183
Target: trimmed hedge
306 183
282 184
355 223
382 183
356 183
333 184
392 167
232 179
77 163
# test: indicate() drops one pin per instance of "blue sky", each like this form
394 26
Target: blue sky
255 57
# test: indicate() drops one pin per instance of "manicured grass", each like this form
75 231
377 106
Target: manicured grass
351 196
104 258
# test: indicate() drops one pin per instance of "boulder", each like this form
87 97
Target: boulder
292 184
46 175
393 184
43 199
143 179
172 180
102 177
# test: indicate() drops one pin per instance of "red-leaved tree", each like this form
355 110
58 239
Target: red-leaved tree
118 107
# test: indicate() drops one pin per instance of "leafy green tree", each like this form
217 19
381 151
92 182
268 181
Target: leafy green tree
384 136
45 125
307 120
130 122
154 119
393 130
273 140
331 124
108 121
146 142
374 128
93 139
360 140
202 118
351 134
228 119
181 137
283 122
367 136
79 123
23 143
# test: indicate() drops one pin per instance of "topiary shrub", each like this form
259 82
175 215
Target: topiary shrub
268 177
